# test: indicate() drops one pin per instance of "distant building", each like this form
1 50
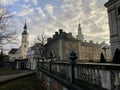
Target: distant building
80 36
12 54
113 8
20 53
3 57
63 43
33 55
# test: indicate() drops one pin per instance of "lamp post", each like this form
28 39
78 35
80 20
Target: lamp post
105 49
51 57
73 57
1 55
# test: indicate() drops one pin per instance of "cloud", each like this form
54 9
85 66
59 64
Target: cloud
7 2
94 19
49 8
25 10
92 15
41 14
35 2
50 17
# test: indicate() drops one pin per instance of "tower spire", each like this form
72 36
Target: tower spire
25 26
80 36
79 29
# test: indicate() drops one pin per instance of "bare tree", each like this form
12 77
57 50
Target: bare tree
6 27
7 35
41 39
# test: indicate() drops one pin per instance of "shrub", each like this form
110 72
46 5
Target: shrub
102 59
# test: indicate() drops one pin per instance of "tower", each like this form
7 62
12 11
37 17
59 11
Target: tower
24 42
113 9
80 36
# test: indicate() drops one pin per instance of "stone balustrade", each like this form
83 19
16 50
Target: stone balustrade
98 75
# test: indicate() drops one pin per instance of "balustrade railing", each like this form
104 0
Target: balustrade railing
106 76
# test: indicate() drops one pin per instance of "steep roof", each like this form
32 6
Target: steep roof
12 51
36 46
25 29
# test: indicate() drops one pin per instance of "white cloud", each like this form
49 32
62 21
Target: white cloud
49 8
6 2
26 12
91 14
40 13
35 2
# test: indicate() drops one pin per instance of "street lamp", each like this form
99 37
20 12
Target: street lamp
73 57
105 47
1 55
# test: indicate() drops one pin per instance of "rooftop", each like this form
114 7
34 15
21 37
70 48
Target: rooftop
12 51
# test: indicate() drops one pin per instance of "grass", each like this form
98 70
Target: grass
26 83
8 71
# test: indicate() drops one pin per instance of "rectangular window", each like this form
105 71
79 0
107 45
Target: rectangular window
118 10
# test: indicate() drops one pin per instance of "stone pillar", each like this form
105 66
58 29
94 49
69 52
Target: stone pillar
60 49
105 79
116 83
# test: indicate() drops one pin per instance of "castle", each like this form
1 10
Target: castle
62 43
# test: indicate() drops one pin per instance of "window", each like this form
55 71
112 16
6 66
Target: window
118 10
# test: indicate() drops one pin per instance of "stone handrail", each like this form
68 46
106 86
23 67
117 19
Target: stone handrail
101 75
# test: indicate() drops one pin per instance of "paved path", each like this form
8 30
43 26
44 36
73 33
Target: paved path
15 76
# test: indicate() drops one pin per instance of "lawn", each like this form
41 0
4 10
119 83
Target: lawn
26 83
9 71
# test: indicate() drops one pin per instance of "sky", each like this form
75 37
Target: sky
48 16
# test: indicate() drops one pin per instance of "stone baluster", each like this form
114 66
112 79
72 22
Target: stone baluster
84 74
89 75
69 73
98 79
76 72
58 68
81 73
116 83
67 70
86 77
93 76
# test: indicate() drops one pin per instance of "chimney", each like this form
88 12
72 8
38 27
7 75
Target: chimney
56 33
60 31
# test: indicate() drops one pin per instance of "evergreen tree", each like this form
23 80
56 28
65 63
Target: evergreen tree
1 55
102 59
116 58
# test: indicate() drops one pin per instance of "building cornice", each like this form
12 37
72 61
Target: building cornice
110 2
